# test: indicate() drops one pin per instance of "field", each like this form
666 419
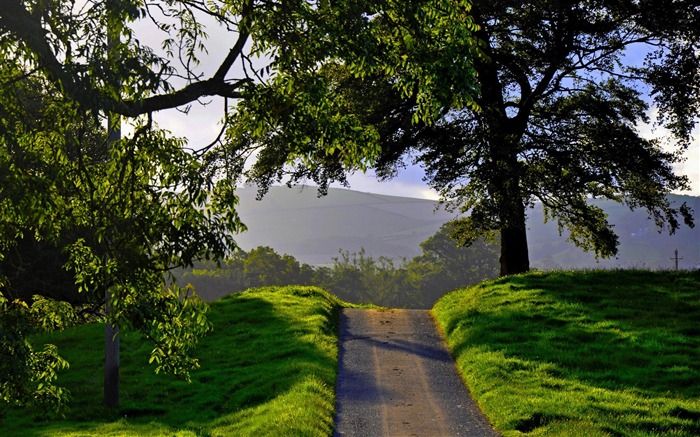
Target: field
598 353
268 368
592 353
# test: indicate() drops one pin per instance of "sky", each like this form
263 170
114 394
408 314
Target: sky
201 126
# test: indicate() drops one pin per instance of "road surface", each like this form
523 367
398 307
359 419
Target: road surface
396 378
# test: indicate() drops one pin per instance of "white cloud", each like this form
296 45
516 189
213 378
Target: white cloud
408 183
201 125
690 166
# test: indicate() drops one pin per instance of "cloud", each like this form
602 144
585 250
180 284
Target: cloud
690 165
200 125
408 183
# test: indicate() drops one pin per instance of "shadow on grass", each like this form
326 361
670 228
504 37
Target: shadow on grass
257 352
626 331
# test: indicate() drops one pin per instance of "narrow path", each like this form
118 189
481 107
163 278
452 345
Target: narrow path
396 378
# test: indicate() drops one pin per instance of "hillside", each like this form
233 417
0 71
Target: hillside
594 353
312 229
268 368
599 353
641 243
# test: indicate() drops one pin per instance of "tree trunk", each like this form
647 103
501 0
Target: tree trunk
514 254
111 378
515 258
504 134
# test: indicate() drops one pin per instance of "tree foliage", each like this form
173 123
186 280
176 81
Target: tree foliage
561 102
361 278
300 114
27 376
120 214
259 267
358 277
129 77
446 264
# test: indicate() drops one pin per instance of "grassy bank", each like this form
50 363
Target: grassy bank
597 353
268 368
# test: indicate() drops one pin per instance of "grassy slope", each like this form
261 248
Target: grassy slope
581 353
268 368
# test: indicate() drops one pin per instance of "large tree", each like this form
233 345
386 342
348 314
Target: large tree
122 213
565 87
148 202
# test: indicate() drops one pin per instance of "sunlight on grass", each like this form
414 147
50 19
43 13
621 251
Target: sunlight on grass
596 353
268 368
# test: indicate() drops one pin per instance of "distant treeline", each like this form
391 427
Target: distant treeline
356 277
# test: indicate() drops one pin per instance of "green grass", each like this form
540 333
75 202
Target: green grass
268 368
595 353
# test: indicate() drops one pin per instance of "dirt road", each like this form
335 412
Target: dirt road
396 378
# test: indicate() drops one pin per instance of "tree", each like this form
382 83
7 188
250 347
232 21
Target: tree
27 376
124 76
123 218
361 278
446 265
31 266
214 280
303 116
260 267
148 204
560 104
263 266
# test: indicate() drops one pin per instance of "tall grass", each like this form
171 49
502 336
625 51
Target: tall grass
268 368
596 353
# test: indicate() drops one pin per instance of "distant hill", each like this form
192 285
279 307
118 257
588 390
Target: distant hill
312 229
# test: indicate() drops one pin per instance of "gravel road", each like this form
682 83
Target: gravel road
396 378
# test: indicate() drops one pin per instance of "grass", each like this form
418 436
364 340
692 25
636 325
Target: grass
268 368
594 353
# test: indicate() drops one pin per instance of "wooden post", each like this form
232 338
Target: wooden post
111 377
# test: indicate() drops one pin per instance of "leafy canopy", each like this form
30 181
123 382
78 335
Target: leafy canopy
125 212
561 101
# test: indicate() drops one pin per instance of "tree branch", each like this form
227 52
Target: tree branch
15 19
237 49
190 93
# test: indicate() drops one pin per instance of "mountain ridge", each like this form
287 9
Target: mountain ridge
314 229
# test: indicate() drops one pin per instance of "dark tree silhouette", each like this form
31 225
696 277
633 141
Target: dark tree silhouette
559 108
